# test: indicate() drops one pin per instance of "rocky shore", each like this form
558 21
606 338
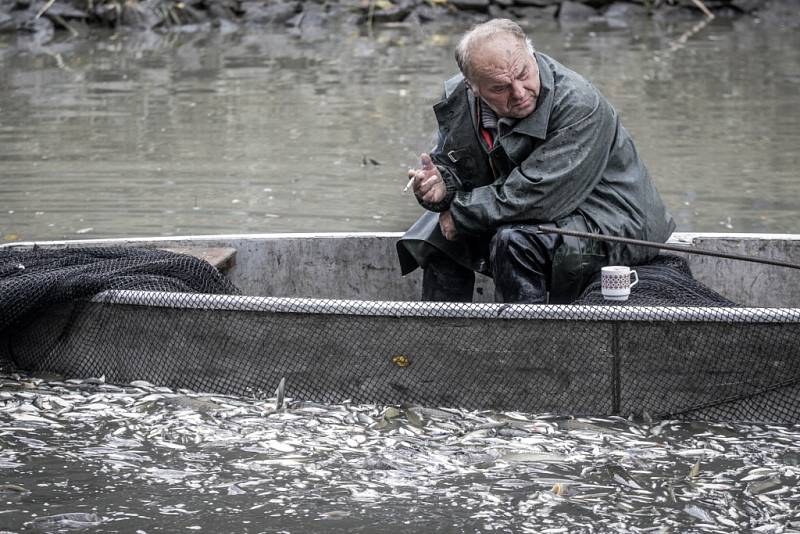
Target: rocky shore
42 18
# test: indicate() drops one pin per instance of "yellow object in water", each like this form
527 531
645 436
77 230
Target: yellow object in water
401 361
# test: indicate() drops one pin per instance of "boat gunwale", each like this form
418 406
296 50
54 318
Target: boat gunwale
677 237
449 310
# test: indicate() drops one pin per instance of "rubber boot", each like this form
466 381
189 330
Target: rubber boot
444 280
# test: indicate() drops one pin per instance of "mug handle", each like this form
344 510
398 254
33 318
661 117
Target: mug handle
636 276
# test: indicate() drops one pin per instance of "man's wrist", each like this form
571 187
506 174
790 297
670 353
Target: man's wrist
451 187
442 205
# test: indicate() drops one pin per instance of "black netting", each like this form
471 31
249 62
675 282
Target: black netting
33 279
665 281
699 358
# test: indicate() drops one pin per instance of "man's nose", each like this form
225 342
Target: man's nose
517 90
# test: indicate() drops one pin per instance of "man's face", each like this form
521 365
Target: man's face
506 77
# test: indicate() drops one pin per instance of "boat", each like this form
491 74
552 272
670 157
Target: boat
330 316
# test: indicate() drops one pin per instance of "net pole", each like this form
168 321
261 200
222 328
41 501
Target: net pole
665 246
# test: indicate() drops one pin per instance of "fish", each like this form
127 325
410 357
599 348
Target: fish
280 446
142 384
517 457
10 490
758 473
280 394
764 486
698 513
414 417
65 521
694 472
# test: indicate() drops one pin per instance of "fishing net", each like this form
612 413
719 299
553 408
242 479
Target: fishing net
665 281
34 279
676 349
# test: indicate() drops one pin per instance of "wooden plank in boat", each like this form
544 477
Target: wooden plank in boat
223 258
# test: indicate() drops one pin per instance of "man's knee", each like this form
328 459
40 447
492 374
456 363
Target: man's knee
520 264
504 240
517 244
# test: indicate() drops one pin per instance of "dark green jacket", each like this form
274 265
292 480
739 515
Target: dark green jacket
570 162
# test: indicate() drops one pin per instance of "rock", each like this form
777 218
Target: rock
726 12
106 13
575 13
427 12
295 21
475 5
137 15
672 14
414 22
236 7
63 10
272 13
41 30
7 23
620 14
746 6
469 16
503 3
221 10
310 23
497 12
597 4
624 10
720 8
535 13
535 3
191 15
396 13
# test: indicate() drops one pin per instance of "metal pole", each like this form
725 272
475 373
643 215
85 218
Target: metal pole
665 246
616 385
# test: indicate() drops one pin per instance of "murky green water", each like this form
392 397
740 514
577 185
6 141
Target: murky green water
251 131
256 131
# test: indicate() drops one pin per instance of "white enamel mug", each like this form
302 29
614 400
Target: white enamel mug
615 282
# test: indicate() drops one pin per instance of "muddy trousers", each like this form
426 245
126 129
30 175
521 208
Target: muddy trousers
520 262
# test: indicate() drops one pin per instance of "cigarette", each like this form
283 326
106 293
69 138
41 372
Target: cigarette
411 181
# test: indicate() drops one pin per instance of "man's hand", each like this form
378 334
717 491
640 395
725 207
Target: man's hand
428 183
447 226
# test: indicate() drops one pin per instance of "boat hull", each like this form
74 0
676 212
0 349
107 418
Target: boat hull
331 315
698 363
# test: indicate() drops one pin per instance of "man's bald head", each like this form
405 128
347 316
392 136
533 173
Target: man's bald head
488 38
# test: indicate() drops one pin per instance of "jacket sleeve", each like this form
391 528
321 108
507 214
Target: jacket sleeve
551 182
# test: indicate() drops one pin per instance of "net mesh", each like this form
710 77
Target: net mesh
31 280
665 281
174 320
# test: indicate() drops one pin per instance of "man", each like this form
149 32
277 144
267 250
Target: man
523 141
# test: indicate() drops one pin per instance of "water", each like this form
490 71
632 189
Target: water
144 459
255 131
249 131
